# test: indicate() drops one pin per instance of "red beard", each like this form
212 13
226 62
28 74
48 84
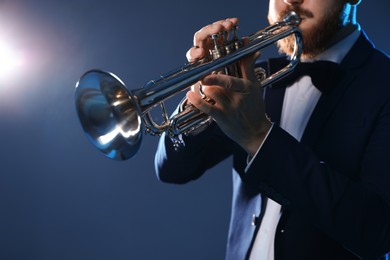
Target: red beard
316 39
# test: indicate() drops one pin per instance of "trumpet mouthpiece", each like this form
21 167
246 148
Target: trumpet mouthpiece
292 18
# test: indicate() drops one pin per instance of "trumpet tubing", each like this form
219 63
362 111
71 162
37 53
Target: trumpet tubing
114 117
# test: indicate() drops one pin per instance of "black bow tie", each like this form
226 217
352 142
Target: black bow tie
322 73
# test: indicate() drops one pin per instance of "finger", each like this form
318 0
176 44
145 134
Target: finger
195 54
229 23
202 37
227 82
247 66
200 103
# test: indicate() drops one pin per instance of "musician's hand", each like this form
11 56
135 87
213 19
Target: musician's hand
203 43
239 108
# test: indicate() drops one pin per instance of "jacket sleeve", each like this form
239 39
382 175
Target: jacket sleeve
201 152
353 211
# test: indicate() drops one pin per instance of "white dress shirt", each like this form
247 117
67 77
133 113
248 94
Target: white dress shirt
299 102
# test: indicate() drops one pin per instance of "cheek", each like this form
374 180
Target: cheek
275 8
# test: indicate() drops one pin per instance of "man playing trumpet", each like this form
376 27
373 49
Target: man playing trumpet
311 155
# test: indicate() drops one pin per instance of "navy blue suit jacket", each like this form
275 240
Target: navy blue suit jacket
334 185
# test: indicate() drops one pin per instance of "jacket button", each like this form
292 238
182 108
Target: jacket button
255 220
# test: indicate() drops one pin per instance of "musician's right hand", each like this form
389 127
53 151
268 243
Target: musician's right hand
238 109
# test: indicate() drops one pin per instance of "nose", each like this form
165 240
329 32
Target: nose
293 2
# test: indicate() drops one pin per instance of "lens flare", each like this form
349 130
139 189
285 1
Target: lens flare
10 60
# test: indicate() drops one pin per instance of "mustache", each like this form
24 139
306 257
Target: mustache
298 10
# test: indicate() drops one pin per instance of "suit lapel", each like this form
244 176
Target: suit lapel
274 103
351 64
274 96
324 109
357 56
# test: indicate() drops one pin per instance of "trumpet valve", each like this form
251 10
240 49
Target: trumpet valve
218 51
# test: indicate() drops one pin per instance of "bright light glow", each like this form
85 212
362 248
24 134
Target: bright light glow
107 138
10 60
110 136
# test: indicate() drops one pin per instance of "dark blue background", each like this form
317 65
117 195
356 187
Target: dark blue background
62 199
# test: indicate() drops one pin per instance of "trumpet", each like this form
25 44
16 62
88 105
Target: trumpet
114 118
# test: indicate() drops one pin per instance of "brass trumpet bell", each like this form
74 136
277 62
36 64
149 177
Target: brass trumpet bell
108 115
